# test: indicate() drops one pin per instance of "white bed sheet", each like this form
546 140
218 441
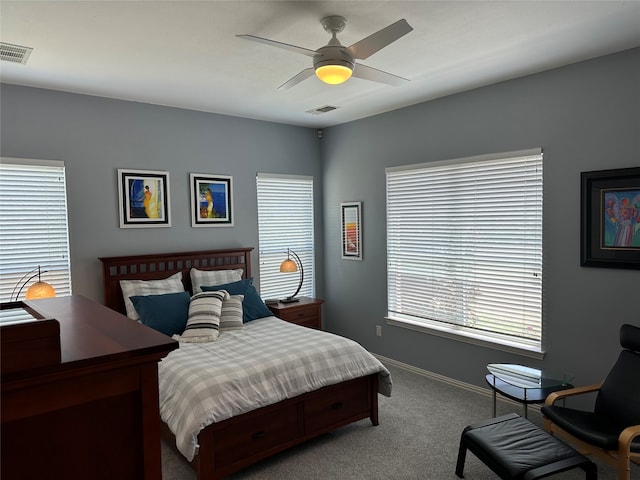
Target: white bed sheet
269 361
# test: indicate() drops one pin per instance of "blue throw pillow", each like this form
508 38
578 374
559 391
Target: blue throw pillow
252 306
233 288
166 313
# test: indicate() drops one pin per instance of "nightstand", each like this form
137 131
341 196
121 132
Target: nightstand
305 312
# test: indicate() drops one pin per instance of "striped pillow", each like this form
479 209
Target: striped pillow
203 324
231 317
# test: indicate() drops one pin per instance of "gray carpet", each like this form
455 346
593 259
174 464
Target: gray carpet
418 435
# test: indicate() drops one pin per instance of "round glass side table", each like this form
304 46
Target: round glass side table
523 384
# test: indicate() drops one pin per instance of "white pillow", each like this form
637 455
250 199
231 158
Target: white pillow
133 288
231 316
203 324
200 278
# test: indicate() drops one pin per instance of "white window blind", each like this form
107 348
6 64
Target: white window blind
285 220
33 225
464 247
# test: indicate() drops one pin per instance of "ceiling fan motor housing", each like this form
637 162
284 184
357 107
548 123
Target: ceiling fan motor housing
332 55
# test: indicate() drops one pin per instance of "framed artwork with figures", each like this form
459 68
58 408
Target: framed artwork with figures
144 198
610 218
211 200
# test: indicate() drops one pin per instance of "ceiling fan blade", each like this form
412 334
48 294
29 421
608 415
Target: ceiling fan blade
377 41
273 43
303 75
375 75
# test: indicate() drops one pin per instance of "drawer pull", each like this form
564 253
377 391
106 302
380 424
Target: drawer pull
259 435
336 406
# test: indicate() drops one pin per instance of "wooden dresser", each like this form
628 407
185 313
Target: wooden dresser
91 409
307 311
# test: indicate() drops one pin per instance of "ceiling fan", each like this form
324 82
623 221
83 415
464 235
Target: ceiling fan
335 63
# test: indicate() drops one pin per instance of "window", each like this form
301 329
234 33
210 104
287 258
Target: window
285 221
464 248
33 225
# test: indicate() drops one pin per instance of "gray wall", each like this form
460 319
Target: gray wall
96 136
586 117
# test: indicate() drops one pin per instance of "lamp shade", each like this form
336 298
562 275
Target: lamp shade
334 74
288 266
40 290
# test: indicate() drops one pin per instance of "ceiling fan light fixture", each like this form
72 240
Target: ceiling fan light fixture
334 63
334 74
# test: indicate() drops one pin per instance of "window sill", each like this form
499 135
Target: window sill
462 335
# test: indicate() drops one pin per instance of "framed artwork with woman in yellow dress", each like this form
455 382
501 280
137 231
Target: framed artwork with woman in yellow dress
144 198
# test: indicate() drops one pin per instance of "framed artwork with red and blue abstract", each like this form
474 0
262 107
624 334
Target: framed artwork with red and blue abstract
610 218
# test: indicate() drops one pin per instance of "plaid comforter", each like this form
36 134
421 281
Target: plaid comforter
269 361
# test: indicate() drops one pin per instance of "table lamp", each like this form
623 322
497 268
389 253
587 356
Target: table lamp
288 266
39 289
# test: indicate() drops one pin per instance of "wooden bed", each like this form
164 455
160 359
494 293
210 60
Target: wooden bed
235 443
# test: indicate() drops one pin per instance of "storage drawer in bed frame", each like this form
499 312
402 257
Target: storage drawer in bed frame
256 433
337 406
238 442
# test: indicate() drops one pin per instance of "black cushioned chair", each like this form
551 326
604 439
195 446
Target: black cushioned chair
612 431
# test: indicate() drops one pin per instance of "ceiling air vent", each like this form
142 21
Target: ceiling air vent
14 53
318 111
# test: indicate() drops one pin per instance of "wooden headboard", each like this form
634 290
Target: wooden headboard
162 265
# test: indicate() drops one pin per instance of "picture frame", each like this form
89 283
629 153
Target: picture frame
211 200
143 198
610 218
351 230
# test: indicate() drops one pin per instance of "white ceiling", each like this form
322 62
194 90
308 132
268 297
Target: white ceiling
185 53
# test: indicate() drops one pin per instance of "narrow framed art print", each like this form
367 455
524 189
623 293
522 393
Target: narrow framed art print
144 198
351 221
211 200
610 218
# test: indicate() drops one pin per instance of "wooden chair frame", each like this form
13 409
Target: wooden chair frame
619 459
